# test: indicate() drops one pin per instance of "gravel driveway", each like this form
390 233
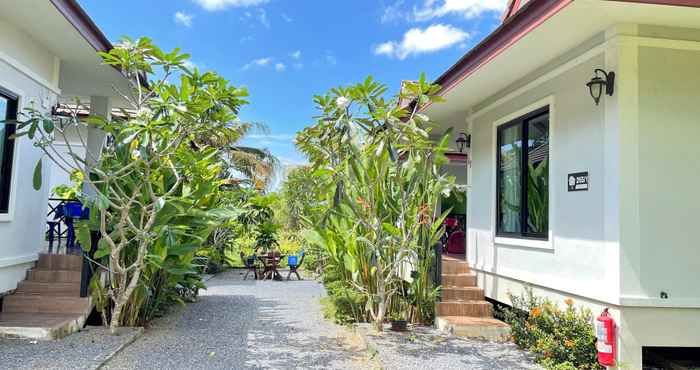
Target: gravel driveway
239 324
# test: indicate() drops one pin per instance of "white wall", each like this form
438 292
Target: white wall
576 259
26 69
669 172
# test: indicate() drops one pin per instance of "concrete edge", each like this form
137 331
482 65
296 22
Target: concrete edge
134 336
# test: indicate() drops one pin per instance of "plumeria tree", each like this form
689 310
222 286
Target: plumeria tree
386 166
152 184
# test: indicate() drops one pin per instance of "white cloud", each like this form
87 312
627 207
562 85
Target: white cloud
214 5
467 8
262 62
330 58
395 12
183 19
287 18
421 41
280 67
295 55
262 18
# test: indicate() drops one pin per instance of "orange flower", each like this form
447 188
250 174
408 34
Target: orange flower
569 302
569 343
535 312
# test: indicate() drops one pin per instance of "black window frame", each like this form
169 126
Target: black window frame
523 122
8 149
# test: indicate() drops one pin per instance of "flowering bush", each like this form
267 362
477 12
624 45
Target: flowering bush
559 338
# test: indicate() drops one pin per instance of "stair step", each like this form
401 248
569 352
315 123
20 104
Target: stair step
59 276
461 280
474 327
43 326
453 266
473 308
28 303
60 262
462 294
28 287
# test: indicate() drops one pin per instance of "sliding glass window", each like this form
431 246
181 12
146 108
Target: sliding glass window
8 112
523 177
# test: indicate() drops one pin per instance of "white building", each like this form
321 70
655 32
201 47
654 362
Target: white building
48 52
624 236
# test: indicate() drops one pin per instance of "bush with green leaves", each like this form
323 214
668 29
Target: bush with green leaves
154 188
560 338
386 183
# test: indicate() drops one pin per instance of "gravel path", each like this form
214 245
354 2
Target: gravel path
426 348
240 324
86 349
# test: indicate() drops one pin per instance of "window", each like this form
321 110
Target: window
8 111
523 177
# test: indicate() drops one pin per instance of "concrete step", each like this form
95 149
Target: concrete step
59 276
43 326
454 266
461 280
473 308
30 303
49 288
60 262
462 293
474 327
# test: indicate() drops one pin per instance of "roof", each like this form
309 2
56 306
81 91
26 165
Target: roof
77 17
83 110
518 20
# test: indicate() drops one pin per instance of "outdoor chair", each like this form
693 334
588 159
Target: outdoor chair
249 263
456 243
294 263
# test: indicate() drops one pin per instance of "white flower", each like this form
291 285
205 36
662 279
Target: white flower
342 102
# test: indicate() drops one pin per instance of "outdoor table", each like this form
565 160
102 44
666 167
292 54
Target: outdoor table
271 263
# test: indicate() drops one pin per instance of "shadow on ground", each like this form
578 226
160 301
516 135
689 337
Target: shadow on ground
239 324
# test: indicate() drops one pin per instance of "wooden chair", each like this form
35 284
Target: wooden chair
294 263
249 263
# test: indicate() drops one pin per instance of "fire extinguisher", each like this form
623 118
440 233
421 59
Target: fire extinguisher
605 333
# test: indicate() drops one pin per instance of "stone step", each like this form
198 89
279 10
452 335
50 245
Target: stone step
59 276
60 262
453 266
49 288
44 326
474 327
460 280
30 303
462 293
474 308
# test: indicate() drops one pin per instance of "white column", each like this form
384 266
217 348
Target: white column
99 106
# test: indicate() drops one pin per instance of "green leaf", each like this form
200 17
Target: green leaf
36 181
82 232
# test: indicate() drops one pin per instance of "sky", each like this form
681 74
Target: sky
287 51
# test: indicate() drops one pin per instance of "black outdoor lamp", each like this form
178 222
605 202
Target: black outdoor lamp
463 141
598 83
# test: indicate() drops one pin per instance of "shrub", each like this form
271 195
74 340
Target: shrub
559 338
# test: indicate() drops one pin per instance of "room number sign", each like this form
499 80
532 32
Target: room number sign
578 181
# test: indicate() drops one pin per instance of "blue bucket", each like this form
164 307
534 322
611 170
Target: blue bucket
76 210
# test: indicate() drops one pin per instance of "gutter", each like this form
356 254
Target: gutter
81 21
71 10
513 29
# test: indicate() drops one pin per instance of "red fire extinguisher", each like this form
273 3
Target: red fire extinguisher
605 333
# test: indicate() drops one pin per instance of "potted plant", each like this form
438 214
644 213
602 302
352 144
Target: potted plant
398 315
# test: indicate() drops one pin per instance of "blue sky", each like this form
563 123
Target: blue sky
285 51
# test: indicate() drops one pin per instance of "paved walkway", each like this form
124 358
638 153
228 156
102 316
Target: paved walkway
240 324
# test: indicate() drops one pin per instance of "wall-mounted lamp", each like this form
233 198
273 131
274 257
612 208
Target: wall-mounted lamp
463 141
598 83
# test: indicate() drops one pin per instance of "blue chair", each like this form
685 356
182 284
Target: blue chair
73 211
294 263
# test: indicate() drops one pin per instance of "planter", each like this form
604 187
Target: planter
399 325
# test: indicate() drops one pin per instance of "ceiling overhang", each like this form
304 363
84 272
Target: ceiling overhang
537 34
